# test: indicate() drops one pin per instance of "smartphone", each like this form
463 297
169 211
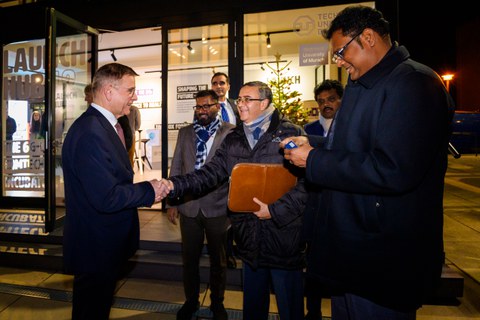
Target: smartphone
290 145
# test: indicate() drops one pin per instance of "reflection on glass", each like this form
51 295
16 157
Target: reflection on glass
191 72
23 172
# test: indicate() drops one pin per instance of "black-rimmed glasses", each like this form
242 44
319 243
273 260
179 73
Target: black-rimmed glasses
339 53
205 107
246 99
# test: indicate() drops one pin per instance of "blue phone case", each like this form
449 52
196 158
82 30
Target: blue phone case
290 145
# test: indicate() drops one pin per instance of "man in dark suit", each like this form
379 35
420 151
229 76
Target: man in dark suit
228 109
377 236
229 113
328 95
101 229
205 215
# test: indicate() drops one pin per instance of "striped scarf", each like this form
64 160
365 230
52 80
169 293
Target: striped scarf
203 134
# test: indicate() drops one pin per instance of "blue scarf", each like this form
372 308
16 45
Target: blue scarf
203 134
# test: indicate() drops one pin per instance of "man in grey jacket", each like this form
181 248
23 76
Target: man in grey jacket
203 215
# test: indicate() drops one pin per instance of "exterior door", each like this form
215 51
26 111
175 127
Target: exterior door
44 74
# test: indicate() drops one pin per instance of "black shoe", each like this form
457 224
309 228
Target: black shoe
231 262
187 310
310 316
219 312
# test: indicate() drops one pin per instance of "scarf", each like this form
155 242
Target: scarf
255 129
203 134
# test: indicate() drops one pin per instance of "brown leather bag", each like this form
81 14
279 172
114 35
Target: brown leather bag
265 181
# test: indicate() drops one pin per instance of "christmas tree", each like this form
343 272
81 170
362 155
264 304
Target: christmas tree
286 100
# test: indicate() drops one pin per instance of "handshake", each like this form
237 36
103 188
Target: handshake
162 188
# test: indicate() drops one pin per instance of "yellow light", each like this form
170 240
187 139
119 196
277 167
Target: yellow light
447 77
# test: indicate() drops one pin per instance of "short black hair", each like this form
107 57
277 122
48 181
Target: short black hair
354 19
216 74
328 85
207 93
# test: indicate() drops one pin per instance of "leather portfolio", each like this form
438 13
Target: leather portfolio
265 181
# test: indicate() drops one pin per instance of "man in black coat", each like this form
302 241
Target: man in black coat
269 240
377 235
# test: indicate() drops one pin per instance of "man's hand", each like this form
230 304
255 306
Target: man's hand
161 190
172 215
263 213
297 156
168 184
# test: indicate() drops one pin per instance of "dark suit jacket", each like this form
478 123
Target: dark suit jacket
101 224
233 103
314 128
183 162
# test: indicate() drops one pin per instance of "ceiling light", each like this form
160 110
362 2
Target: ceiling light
113 55
269 44
189 47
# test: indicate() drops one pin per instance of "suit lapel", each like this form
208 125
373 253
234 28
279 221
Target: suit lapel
111 134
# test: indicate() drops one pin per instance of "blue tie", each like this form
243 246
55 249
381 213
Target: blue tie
225 116
256 133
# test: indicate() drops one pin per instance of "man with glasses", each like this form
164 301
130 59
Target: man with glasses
101 230
377 240
204 215
268 240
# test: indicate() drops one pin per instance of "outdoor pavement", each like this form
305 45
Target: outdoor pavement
44 295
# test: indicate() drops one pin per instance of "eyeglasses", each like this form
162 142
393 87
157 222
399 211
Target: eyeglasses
247 99
130 91
339 53
205 107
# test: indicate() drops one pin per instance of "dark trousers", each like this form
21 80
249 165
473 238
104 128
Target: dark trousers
313 295
288 288
194 231
93 295
352 307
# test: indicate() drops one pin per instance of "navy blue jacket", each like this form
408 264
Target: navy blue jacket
378 221
101 223
314 128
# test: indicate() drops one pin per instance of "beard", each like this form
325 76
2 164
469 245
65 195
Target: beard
204 119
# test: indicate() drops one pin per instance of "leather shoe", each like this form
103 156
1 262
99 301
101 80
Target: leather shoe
311 316
219 312
187 310
231 262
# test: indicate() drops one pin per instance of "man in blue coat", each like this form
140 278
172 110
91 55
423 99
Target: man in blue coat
101 224
377 236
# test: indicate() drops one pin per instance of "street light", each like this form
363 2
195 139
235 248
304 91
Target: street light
447 78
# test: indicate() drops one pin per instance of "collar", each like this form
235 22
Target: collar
107 114
396 55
